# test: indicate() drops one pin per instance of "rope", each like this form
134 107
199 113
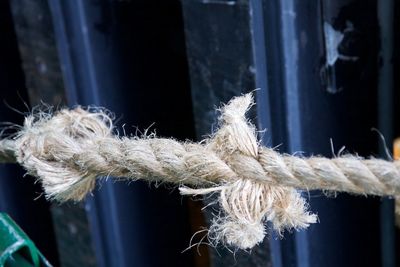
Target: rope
67 151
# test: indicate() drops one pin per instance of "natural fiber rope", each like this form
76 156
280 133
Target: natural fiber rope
67 151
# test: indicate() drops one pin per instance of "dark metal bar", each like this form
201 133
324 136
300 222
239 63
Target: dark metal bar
129 57
19 195
386 101
43 79
220 44
322 72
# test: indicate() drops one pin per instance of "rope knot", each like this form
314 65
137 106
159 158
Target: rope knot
67 151
52 147
252 198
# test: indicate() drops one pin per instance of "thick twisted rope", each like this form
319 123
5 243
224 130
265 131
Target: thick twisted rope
67 151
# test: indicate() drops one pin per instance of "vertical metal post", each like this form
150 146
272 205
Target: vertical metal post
386 100
129 57
19 194
316 66
322 71
219 41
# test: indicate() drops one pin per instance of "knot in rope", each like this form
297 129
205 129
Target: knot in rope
68 150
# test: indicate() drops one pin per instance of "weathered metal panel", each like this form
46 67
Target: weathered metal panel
43 79
19 194
129 56
219 44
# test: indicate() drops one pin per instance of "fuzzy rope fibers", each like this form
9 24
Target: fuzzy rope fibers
68 150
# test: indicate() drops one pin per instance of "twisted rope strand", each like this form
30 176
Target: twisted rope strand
69 150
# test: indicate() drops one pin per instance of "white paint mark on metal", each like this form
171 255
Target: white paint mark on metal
333 38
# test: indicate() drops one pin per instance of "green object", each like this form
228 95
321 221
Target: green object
16 249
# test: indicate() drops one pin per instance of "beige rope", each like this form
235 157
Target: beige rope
69 150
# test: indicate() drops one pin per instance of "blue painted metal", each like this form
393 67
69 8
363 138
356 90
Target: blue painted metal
116 54
302 109
303 102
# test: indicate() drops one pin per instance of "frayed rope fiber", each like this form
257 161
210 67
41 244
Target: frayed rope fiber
68 150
